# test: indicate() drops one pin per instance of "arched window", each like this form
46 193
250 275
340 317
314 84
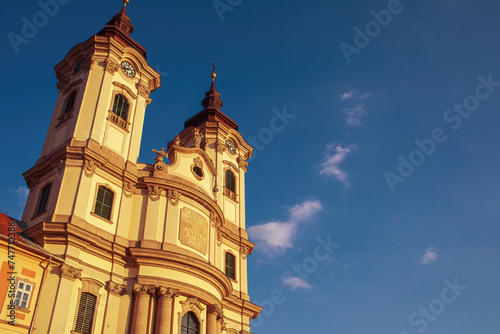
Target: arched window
120 106
104 202
189 324
42 205
230 181
85 316
70 103
230 266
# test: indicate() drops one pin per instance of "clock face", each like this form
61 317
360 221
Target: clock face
128 69
78 66
230 146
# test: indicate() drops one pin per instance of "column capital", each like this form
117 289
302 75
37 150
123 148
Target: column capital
69 272
141 290
115 288
167 293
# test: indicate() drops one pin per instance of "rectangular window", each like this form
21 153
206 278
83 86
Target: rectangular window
104 202
85 316
42 205
23 294
230 272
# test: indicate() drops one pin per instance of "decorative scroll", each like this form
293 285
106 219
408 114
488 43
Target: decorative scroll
143 90
192 304
167 293
128 189
193 230
242 163
89 167
173 197
115 288
70 273
154 193
111 66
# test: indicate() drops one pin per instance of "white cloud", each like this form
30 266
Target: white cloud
429 256
354 114
295 283
304 211
333 159
22 195
347 95
274 238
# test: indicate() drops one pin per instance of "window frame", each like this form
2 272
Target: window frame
110 189
125 99
38 212
189 329
226 265
30 293
228 192
92 287
69 108
83 315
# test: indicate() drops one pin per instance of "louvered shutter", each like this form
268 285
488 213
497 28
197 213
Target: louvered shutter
85 315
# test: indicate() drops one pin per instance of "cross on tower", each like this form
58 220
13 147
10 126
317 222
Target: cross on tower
213 67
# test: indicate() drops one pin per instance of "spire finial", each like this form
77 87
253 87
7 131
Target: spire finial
213 75
125 2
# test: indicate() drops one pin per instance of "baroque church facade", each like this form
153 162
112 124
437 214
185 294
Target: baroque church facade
119 246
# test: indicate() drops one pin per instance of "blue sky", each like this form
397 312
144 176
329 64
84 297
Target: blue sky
389 157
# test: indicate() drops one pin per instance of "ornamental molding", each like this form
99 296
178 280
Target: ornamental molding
69 272
142 290
214 310
61 165
245 250
32 182
154 193
232 165
89 64
173 197
128 189
160 165
63 83
111 66
242 163
167 293
144 90
125 88
192 304
198 162
215 220
177 140
64 117
71 86
220 146
89 167
116 289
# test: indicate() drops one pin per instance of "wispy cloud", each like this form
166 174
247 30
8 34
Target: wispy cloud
347 95
334 155
354 114
275 237
429 256
22 195
295 283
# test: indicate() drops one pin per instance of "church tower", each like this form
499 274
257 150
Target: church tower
156 247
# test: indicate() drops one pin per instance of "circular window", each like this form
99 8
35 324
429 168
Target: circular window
197 171
78 66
